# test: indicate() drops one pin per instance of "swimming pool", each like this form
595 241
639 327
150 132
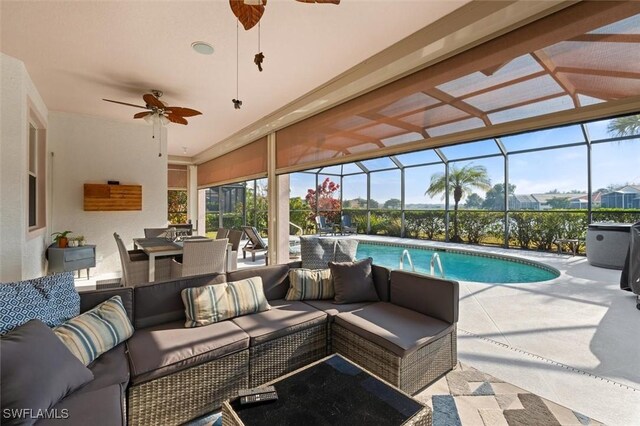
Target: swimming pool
459 265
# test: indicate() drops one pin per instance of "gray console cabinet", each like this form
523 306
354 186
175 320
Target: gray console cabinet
71 259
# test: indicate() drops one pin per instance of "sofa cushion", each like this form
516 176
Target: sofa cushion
96 407
397 329
37 370
160 302
380 276
112 368
283 318
52 299
353 281
317 252
310 284
92 298
275 280
333 309
168 348
218 302
429 295
93 333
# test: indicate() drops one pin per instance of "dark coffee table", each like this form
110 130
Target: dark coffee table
333 391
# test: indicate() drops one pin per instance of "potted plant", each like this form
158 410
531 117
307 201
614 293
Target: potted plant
80 239
61 238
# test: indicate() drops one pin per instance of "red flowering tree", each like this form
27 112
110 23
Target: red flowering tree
328 205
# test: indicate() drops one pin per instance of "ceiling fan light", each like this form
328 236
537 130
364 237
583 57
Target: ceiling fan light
164 120
149 118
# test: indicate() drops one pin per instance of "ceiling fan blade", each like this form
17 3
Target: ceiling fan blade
124 103
182 112
320 1
176 119
141 114
247 14
152 101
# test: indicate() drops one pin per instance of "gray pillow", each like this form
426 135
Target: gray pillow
37 371
346 250
353 281
317 252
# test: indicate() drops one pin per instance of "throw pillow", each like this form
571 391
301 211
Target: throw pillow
52 299
346 250
353 281
208 304
205 305
310 284
37 371
316 253
96 331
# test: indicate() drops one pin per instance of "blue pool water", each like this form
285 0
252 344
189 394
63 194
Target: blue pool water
458 266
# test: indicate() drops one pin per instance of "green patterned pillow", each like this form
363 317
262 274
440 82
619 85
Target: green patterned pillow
218 302
310 284
93 333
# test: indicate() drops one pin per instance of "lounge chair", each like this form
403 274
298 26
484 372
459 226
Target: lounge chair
346 226
255 243
323 226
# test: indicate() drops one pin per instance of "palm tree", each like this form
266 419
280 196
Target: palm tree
624 126
461 182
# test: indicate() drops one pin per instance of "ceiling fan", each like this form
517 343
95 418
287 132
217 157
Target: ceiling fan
156 108
249 12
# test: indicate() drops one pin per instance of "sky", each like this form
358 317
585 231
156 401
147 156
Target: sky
564 169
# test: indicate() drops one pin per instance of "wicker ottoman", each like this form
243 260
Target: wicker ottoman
411 373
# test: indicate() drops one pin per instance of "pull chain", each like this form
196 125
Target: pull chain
237 103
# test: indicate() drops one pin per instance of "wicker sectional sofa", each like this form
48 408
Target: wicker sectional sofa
176 374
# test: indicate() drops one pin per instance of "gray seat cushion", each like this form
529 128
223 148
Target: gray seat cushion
397 329
97 407
168 348
110 368
333 309
283 318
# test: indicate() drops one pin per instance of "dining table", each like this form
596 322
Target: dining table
162 247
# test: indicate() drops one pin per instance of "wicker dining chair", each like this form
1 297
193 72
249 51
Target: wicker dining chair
234 239
222 233
155 232
135 265
201 256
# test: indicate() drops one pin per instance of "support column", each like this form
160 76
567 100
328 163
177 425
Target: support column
192 195
278 213
201 223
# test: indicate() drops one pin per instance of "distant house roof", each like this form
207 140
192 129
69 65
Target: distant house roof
628 189
545 198
522 198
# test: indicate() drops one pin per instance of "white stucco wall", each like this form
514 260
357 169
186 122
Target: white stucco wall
21 251
93 150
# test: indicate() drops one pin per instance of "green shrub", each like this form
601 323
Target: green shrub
427 224
475 226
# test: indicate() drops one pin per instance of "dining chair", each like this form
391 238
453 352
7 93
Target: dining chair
135 265
222 233
154 232
200 256
234 236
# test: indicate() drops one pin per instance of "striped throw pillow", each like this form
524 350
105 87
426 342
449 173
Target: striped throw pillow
205 305
93 333
218 302
310 284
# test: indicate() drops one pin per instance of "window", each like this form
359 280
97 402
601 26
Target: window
36 211
177 206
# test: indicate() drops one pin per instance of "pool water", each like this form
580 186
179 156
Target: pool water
457 266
